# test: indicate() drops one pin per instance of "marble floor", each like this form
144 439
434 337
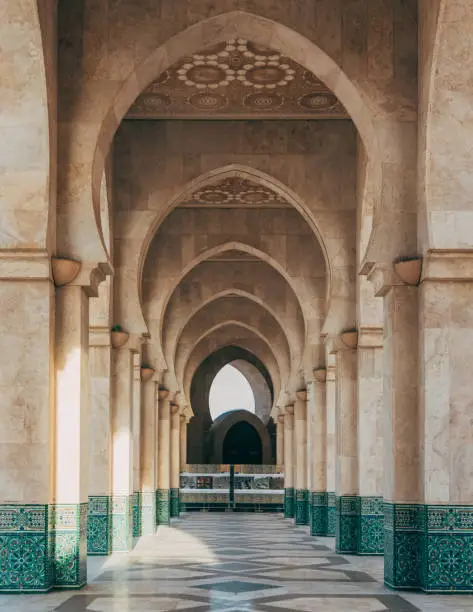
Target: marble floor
234 563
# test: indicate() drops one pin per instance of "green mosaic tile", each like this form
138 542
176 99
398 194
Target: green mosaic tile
148 512
163 509
346 524
370 530
174 508
136 513
26 549
301 509
331 514
429 547
70 545
289 503
99 535
318 513
121 517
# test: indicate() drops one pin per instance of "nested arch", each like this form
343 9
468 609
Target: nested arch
232 311
239 336
260 30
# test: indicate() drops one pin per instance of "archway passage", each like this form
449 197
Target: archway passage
242 444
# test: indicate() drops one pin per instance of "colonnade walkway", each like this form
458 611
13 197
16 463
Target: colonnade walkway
234 563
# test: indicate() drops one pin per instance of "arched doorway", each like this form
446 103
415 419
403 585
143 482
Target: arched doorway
242 444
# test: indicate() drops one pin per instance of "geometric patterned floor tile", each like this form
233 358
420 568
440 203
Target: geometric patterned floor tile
235 586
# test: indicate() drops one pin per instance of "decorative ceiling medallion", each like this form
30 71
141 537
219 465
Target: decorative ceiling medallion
207 101
235 191
263 101
236 77
322 101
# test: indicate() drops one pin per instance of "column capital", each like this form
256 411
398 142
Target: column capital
289 409
331 374
320 374
99 336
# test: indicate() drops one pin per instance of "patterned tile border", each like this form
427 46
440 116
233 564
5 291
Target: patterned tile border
163 509
122 523
70 545
99 521
289 503
43 547
148 512
26 549
136 512
429 547
318 513
359 525
301 509
174 503
370 530
346 524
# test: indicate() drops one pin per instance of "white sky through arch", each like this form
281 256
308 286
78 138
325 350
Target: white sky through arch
229 391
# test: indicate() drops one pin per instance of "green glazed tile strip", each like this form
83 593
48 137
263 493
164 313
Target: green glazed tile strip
174 503
163 506
99 533
289 503
302 507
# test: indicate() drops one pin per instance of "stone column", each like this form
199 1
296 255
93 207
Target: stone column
164 455
346 486
370 536
402 495
148 456
99 532
26 396
183 444
175 460
280 441
71 432
318 456
300 442
122 448
289 462
446 422
136 427
330 400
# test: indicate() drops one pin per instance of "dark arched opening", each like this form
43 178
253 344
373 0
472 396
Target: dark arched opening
242 444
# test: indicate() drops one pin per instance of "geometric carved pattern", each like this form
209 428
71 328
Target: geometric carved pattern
234 192
237 78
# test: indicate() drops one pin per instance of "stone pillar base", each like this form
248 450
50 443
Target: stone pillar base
346 523
148 512
429 548
122 523
301 510
163 509
289 503
99 520
70 545
370 534
174 502
136 512
359 524
26 535
322 513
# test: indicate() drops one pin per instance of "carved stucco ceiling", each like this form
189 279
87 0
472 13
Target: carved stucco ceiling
237 78
235 192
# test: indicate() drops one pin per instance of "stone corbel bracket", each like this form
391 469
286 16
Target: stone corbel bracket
370 337
383 278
